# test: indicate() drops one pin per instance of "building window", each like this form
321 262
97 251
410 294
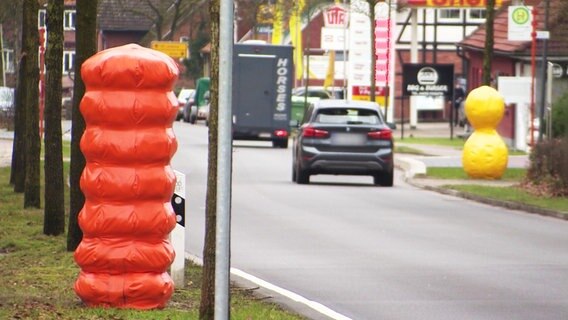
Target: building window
476 14
41 18
68 61
69 20
449 15
8 56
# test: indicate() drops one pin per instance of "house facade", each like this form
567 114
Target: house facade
423 33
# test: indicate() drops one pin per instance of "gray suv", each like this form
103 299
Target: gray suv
343 138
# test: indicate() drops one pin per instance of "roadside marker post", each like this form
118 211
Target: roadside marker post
177 236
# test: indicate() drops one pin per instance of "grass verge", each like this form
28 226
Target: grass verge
37 276
409 150
515 194
511 174
456 143
509 193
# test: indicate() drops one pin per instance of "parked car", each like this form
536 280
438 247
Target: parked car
182 98
343 138
313 92
189 112
203 111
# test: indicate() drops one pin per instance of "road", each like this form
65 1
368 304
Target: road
368 252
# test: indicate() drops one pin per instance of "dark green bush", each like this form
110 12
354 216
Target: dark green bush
548 169
560 117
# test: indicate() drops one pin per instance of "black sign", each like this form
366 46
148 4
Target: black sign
178 204
428 80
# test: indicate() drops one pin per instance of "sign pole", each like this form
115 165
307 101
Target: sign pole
533 71
544 70
224 163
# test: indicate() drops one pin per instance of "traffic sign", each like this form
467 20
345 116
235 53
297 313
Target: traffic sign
520 23
171 48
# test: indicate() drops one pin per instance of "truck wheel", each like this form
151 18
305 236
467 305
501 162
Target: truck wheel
280 143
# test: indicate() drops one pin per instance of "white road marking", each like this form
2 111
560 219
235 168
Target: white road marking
286 293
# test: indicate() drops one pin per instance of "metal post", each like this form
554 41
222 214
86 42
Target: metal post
345 53
533 63
413 117
543 74
224 163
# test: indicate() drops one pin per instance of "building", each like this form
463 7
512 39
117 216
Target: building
514 58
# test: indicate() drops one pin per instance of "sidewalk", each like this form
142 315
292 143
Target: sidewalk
7 138
416 166
5 152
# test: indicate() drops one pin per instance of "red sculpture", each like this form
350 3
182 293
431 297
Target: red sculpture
128 143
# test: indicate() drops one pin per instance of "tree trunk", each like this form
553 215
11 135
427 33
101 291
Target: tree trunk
373 50
17 166
2 62
31 134
17 174
86 44
54 212
207 304
488 51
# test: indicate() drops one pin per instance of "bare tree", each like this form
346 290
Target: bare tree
164 14
372 19
54 211
11 15
32 143
207 303
488 51
17 173
86 43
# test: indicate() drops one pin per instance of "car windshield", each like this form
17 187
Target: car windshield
347 116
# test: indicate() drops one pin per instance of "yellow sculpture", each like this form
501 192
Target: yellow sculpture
485 155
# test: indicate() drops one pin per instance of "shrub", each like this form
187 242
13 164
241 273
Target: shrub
548 173
560 117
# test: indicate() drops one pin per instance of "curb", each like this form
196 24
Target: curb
413 167
410 166
493 202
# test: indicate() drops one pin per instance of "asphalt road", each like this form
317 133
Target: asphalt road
368 252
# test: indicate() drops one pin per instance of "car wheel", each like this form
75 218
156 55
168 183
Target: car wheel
384 179
302 176
294 177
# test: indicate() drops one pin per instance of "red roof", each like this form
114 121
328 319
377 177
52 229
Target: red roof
557 45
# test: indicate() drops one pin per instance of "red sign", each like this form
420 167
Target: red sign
382 46
335 17
366 91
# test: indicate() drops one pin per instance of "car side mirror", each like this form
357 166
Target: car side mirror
391 125
294 123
